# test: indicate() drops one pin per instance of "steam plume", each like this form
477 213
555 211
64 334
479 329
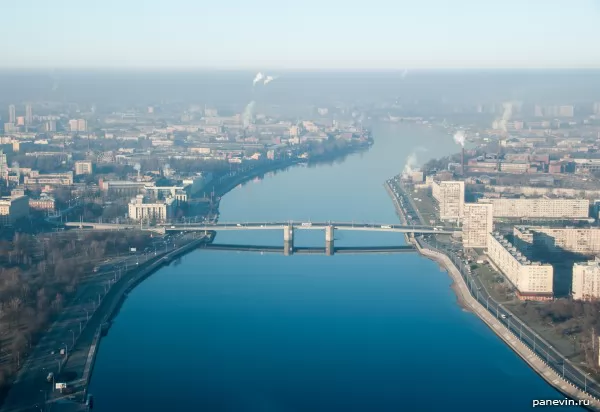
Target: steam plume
459 138
411 161
506 116
248 113
137 167
259 76
269 79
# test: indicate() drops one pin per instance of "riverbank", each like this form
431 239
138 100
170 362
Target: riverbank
468 302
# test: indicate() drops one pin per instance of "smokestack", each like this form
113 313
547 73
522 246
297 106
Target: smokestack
462 161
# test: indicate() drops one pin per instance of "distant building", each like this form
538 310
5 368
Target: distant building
57 179
44 203
9 128
77 125
12 114
585 241
159 211
50 126
477 223
21 121
450 196
13 208
532 280
122 187
28 115
83 168
586 280
539 208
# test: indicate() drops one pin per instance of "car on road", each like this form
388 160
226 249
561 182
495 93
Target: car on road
503 316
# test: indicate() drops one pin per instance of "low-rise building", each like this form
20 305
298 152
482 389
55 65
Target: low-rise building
58 179
83 168
586 280
532 280
44 203
159 211
13 208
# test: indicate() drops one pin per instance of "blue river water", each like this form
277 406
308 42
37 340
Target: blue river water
233 331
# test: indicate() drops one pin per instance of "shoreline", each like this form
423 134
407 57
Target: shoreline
110 312
468 303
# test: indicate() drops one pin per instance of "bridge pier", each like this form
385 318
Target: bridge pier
329 238
288 240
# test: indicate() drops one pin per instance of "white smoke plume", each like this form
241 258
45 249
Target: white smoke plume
15 166
269 79
137 167
459 138
259 76
507 113
248 113
412 162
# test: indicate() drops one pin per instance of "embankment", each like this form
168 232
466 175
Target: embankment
468 302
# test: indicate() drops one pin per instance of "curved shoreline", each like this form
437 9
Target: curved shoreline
110 308
466 300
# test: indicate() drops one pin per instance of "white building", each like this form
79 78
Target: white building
539 208
586 280
78 125
532 280
585 241
159 211
450 196
477 223
83 168
13 208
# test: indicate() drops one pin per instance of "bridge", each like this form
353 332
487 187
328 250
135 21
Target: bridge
311 250
288 229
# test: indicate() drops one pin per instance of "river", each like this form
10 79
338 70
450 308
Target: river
228 331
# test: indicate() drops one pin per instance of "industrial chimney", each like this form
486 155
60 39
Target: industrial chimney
462 161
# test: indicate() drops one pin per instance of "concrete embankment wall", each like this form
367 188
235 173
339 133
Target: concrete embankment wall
114 304
532 359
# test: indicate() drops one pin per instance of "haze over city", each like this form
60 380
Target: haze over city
334 34
312 206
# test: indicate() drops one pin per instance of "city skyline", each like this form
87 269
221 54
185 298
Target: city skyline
386 35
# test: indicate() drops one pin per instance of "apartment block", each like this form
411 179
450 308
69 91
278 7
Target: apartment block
477 223
532 280
586 280
450 195
585 241
64 179
539 208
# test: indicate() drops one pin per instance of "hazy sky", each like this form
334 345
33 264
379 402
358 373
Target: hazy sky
301 34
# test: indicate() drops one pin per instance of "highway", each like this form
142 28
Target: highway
30 388
301 250
536 343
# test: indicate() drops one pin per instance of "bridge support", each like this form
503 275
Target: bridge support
329 237
288 240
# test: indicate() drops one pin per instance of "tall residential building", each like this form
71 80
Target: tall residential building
450 195
12 114
477 223
586 280
596 108
3 166
50 126
77 125
532 280
566 111
539 208
28 115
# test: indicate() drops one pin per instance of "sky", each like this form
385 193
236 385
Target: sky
305 34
